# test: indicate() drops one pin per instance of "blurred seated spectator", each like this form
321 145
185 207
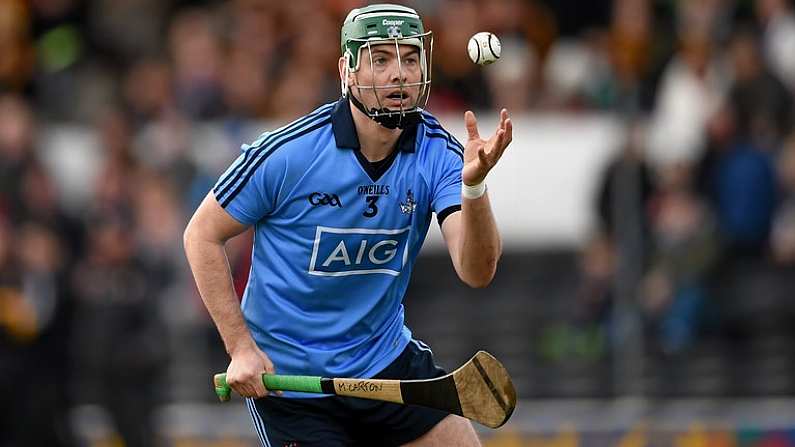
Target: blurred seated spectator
147 90
40 204
16 149
195 50
720 132
743 184
246 85
685 247
629 49
762 104
35 317
595 294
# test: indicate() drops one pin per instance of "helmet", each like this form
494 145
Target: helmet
386 24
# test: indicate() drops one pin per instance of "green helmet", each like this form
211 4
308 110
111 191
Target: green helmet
386 24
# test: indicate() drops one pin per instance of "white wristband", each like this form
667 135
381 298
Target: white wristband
473 192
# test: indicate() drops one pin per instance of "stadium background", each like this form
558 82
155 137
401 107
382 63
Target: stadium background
647 205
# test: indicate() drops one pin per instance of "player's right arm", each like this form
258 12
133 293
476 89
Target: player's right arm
207 232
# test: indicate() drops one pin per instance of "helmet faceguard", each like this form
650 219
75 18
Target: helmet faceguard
395 25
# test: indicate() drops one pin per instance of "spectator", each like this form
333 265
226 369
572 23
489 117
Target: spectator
34 331
595 295
762 104
16 148
626 185
119 339
126 30
158 92
147 91
630 49
691 91
744 186
196 53
778 39
685 247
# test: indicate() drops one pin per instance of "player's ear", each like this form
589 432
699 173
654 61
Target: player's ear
341 66
346 75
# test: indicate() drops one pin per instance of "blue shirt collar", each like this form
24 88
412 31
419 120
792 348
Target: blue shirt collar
345 130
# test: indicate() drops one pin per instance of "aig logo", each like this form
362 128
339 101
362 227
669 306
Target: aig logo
321 198
358 251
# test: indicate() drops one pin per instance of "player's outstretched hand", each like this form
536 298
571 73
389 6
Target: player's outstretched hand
481 155
244 374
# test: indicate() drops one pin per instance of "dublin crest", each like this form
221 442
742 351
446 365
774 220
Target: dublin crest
410 205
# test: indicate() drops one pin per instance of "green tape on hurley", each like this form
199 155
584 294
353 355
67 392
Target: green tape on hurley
303 384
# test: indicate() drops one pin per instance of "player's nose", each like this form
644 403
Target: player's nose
398 74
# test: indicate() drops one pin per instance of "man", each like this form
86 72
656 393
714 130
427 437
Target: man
341 200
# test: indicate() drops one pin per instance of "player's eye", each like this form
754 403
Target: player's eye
411 60
379 61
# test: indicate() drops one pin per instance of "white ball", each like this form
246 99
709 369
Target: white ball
484 48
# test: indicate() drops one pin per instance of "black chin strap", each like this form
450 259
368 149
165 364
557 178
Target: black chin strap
389 118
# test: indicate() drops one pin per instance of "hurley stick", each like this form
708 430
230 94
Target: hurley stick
480 390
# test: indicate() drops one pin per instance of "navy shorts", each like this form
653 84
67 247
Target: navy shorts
346 421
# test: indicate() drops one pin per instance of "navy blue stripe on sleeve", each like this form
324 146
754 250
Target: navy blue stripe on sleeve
448 136
234 175
450 146
268 151
432 123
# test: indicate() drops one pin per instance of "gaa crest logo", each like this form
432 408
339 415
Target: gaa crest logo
394 32
321 198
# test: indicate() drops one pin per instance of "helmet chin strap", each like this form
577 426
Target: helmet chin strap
390 119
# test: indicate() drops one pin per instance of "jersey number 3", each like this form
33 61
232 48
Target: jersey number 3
372 209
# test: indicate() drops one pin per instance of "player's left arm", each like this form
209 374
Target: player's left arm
471 235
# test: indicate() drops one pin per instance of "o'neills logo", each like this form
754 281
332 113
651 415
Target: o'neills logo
387 22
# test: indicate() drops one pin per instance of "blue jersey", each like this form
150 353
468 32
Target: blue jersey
336 237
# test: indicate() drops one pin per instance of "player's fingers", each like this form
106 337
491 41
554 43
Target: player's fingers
499 142
502 144
247 384
269 369
471 125
240 387
256 387
503 118
508 131
250 391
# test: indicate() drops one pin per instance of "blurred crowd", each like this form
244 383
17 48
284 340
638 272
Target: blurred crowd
700 196
707 172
